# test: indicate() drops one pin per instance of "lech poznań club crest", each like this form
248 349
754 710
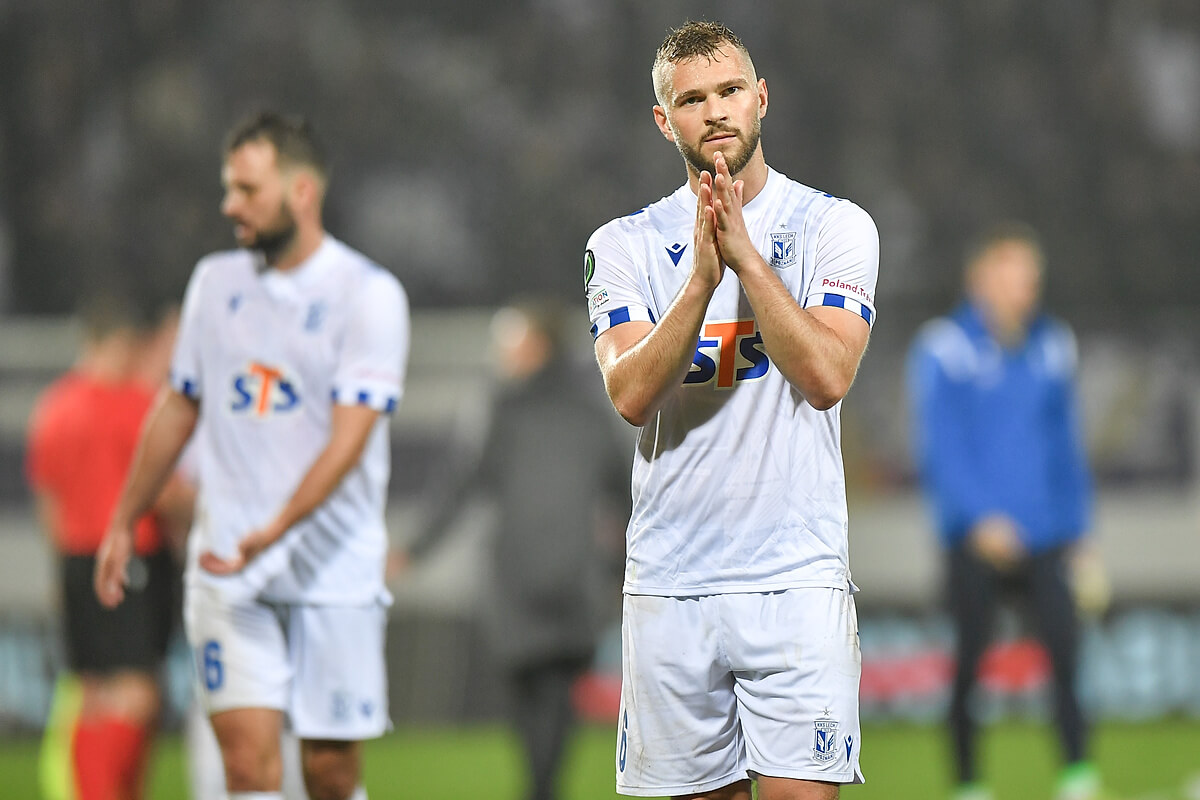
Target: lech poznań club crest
783 249
825 743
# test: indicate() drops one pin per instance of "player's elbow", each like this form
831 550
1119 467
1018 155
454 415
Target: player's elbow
632 410
823 403
827 392
633 404
628 397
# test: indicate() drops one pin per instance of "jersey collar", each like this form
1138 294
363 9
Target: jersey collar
309 271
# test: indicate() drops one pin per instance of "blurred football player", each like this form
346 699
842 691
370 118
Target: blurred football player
1000 452
292 350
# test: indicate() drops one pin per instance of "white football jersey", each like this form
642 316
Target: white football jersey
267 354
738 483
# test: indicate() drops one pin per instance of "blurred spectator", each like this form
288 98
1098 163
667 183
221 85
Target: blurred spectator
998 446
555 464
81 441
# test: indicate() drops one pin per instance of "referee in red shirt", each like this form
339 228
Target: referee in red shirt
82 437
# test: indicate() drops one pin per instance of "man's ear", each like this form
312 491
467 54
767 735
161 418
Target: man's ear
306 189
660 119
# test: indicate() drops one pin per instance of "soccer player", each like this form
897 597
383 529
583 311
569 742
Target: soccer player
82 438
730 318
292 350
998 445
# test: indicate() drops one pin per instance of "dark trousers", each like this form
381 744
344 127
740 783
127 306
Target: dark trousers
543 718
974 592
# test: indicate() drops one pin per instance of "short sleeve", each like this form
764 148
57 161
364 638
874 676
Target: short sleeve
374 351
616 291
185 363
847 262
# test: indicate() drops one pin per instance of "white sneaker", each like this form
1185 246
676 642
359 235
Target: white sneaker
972 791
1079 782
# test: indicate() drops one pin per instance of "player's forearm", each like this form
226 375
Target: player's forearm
449 498
641 378
351 428
318 483
174 508
166 431
810 355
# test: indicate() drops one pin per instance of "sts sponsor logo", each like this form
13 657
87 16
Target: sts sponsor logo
729 352
262 390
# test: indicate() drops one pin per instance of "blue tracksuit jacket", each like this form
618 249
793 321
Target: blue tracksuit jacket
996 430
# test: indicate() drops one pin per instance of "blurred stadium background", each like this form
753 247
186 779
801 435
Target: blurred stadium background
475 147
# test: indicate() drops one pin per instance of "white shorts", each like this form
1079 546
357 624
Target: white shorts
721 688
323 666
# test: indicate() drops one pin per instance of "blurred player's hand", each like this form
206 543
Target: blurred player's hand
112 562
248 548
398 562
1089 581
995 539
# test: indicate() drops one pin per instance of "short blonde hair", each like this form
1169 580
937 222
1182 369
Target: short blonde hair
692 40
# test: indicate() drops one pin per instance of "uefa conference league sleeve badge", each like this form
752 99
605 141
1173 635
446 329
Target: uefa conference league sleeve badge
589 269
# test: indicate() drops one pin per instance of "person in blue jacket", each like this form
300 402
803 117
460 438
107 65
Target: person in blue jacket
999 450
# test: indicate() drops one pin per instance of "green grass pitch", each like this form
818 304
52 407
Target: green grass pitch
1144 761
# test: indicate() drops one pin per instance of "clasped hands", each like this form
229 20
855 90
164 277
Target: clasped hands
720 239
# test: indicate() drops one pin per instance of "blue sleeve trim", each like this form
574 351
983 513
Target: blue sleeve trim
848 303
185 386
618 316
385 403
842 301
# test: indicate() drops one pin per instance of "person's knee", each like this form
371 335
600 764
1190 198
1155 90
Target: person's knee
331 769
735 791
129 694
790 789
136 696
249 741
252 769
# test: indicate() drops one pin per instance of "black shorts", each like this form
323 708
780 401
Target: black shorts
134 635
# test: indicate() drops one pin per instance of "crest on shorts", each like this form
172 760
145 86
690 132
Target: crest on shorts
825 740
783 249
340 705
